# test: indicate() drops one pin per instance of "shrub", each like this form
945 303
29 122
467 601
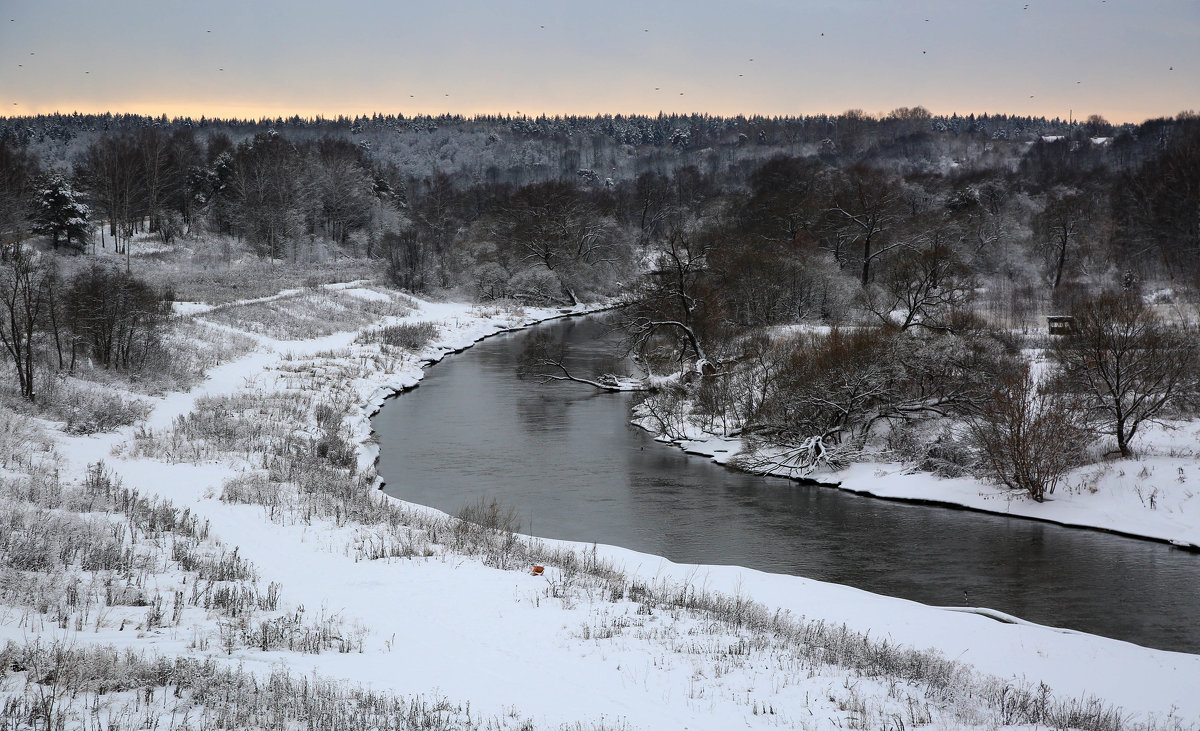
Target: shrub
413 336
89 409
18 436
1028 438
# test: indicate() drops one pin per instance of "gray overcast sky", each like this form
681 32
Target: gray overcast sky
1124 59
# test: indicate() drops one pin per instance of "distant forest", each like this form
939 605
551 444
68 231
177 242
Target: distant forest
1027 202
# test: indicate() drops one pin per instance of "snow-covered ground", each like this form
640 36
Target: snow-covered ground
560 648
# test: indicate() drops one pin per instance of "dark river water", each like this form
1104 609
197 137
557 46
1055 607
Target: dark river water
567 459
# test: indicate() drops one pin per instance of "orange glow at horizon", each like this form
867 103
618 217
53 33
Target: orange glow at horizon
231 59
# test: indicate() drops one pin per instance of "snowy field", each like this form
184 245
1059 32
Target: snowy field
335 583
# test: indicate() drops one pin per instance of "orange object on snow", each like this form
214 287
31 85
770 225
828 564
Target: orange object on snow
538 570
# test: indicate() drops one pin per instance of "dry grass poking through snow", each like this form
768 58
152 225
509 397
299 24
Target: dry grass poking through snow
309 315
209 277
58 686
99 557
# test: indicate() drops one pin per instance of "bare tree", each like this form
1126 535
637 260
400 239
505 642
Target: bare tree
1065 226
110 170
863 211
26 286
1130 366
675 311
922 288
18 172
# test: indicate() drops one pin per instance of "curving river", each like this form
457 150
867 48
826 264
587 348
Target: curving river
566 457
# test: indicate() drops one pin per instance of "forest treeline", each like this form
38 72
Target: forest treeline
820 284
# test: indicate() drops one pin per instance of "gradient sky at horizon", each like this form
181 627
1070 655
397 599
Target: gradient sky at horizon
1124 60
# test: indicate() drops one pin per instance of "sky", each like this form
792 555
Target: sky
1126 60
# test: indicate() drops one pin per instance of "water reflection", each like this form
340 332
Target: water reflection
566 458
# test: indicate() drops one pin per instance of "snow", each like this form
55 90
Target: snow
190 308
495 638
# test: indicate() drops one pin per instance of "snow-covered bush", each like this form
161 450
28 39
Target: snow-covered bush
18 438
89 408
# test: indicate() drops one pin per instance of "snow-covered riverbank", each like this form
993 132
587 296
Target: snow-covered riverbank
1155 495
644 650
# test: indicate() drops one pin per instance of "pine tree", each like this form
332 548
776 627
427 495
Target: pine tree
60 214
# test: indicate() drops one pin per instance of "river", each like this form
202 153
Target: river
567 459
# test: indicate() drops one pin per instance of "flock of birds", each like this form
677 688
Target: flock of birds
644 30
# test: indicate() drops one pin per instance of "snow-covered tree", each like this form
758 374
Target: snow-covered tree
61 214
